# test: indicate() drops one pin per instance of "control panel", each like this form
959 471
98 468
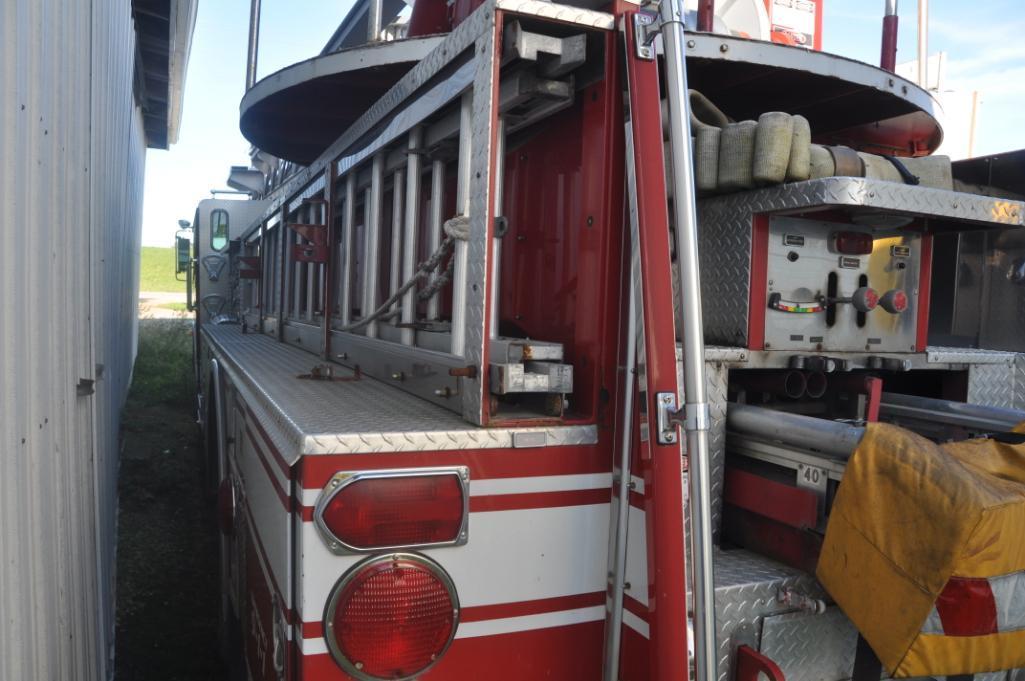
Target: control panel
834 286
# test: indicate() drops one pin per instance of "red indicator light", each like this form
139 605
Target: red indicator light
393 510
854 243
391 617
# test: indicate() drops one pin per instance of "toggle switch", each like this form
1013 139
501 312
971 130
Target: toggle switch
894 301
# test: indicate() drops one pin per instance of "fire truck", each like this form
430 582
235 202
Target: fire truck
611 341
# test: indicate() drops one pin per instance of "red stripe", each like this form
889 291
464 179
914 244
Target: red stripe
312 630
758 302
635 607
266 563
522 502
484 464
967 608
568 653
282 495
533 500
280 460
480 613
498 611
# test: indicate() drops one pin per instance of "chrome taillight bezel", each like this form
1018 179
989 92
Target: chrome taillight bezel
342 479
331 607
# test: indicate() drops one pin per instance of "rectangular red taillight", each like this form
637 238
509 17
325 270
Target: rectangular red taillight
854 243
394 509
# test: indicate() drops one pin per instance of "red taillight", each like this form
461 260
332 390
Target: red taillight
394 509
391 617
854 243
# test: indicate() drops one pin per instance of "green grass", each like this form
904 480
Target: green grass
163 365
156 271
177 307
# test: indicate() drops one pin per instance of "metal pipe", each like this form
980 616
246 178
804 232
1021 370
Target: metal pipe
695 401
496 242
374 20
816 384
973 416
434 229
792 384
411 230
923 43
804 432
397 194
706 15
345 271
888 55
372 242
254 42
614 633
461 251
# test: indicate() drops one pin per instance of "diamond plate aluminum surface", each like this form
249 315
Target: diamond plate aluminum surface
557 12
992 385
1019 381
481 222
810 647
724 244
716 382
745 592
725 232
349 417
942 355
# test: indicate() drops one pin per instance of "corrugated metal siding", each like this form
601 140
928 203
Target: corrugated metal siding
71 166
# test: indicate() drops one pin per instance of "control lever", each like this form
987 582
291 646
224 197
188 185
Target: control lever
864 299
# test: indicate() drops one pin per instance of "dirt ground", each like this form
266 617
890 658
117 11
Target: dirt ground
167 574
154 305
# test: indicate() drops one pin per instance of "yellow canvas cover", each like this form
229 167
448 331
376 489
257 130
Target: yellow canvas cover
925 552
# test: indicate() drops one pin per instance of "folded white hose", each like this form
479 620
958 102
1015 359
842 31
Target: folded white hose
773 138
820 163
799 168
736 156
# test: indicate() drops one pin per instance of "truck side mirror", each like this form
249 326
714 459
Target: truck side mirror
183 246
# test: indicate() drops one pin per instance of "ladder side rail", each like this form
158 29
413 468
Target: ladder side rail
664 516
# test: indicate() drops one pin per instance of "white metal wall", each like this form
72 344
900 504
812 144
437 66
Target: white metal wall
71 166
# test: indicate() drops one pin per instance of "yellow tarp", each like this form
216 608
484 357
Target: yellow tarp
908 516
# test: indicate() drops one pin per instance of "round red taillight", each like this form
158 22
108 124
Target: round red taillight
391 617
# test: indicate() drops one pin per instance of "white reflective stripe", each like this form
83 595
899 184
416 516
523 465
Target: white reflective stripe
636 623
545 620
548 483
543 483
1009 595
313 646
932 624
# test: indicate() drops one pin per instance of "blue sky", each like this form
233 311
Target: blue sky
985 42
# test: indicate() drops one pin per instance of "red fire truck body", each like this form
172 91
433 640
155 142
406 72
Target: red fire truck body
460 322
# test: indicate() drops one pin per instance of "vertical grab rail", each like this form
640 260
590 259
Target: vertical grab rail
695 408
461 253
